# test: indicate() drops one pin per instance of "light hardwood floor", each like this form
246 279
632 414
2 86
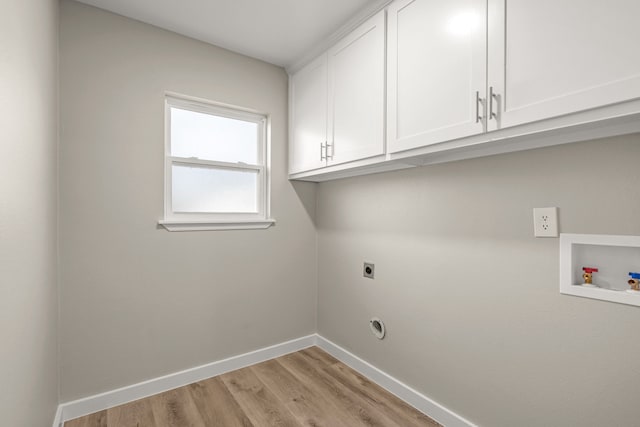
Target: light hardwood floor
306 388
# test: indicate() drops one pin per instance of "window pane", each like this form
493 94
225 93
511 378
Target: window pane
206 189
210 137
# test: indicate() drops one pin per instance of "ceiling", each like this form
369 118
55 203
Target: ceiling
275 31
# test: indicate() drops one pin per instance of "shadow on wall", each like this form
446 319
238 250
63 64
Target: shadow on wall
307 196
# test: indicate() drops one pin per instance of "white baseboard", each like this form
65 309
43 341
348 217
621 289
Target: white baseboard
57 421
99 402
414 398
89 405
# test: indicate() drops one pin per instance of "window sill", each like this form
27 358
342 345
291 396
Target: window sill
177 225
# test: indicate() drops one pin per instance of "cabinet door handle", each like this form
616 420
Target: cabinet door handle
478 101
323 147
492 96
332 145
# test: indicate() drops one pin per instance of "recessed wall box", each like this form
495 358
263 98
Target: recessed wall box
613 257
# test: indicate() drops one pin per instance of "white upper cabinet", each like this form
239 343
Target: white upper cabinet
466 78
436 71
356 94
549 58
337 110
308 117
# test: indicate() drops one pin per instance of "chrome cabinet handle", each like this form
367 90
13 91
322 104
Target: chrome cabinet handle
323 150
492 96
333 150
479 118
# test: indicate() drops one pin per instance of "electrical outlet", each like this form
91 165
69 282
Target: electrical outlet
545 222
368 270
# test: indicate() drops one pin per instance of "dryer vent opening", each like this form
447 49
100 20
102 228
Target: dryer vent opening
377 327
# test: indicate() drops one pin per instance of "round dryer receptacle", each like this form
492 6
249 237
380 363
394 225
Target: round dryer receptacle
377 327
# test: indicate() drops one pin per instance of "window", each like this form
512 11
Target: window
216 167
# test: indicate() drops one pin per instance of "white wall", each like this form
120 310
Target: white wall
469 296
28 212
138 301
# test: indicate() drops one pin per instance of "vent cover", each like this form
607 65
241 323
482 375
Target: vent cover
377 327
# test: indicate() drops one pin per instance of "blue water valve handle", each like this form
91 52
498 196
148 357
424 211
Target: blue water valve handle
635 275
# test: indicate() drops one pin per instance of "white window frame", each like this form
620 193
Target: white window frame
193 221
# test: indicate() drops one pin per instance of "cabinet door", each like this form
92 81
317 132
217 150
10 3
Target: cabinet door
356 93
550 58
436 74
308 107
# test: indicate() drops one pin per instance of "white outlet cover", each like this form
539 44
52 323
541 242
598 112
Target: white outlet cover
545 222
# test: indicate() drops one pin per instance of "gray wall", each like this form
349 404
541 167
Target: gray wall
469 296
138 301
28 212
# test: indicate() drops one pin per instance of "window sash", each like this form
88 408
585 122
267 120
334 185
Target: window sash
260 191
258 172
261 168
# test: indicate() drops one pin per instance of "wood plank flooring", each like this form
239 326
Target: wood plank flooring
306 388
